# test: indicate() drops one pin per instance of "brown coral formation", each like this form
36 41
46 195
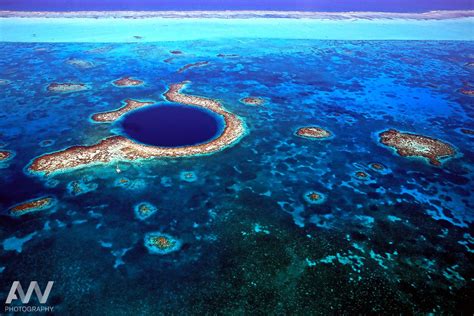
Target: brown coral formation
413 145
467 91
193 65
115 114
253 101
31 206
4 155
377 166
66 87
118 148
127 82
313 132
361 175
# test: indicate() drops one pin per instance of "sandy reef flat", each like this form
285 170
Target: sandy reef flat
431 15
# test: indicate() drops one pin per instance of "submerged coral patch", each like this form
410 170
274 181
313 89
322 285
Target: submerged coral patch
414 145
253 101
66 87
188 176
111 116
79 187
362 175
119 148
80 63
313 132
160 243
376 166
467 131
122 182
144 210
314 197
127 82
33 205
46 143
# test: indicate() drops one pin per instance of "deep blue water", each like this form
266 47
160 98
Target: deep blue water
171 125
399 241
285 5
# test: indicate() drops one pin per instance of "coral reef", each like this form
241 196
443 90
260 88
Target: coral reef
115 114
413 145
160 243
313 132
117 148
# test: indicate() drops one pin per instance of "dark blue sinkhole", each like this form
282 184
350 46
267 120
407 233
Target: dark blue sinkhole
172 125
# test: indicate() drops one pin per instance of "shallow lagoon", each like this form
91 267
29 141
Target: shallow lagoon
399 240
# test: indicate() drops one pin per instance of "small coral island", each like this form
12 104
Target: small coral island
127 82
119 148
413 145
313 132
5 155
160 243
144 210
66 87
313 197
252 101
31 206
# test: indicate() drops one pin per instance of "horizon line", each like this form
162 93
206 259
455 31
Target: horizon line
434 14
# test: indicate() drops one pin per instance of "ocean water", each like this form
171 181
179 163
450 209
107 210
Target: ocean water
398 241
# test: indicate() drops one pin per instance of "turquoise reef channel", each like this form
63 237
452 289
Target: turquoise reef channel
242 232
172 125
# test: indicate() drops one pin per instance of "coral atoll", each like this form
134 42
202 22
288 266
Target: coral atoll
119 148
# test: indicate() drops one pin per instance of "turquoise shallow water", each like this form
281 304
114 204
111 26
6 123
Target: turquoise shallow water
247 239
165 29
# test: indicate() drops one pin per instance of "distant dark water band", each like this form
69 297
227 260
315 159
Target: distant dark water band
211 5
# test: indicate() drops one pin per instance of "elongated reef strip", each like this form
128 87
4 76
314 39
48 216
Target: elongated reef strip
193 65
66 87
119 148
413 145
111 116
32 206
